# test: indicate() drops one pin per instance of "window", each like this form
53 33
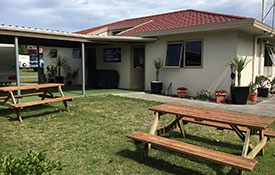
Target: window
184 54
269 58
193 53
174 54
138 58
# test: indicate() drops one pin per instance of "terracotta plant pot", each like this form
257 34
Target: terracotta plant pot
182 92
220 97
252 96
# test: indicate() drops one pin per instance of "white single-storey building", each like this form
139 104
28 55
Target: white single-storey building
196 47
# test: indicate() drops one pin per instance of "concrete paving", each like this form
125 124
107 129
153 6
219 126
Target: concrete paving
265 108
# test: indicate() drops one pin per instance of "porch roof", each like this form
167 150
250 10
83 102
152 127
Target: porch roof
41 37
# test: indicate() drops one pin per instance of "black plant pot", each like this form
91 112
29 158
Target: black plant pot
69 82
51 80
262 92
59 79
156 87
239 95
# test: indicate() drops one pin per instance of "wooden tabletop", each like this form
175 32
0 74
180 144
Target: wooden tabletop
235 118
27 87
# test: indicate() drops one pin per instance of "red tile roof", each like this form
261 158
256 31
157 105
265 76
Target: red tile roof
173 20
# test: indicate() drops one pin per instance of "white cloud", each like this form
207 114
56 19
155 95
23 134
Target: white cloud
73 15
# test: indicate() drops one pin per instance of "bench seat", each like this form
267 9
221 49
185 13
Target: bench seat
24 95
29 94
231 160
267 133
34 103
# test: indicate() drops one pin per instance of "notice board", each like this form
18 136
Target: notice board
112 54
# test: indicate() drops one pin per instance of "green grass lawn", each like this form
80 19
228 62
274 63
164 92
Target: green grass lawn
92 140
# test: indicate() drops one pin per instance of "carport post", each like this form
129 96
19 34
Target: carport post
83 68
16 52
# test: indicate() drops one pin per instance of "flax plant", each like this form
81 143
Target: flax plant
239 63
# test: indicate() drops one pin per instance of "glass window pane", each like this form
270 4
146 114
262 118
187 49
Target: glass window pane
193 53
269 56
139 57
173 54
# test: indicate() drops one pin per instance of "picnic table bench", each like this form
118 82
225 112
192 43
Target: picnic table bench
41 90
244 125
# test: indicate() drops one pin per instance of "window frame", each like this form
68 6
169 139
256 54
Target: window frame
271 53
182 59
181 51
184 56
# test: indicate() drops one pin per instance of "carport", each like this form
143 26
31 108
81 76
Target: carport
40 37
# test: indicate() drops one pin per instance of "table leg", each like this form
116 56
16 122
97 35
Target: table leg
181 126
66 106
18 114
60 91
261 137
258 148
152 131
12 97
169 127
246 143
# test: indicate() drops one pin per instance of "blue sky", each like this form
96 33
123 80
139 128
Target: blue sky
75 15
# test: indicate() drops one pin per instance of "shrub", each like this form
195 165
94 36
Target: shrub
204 95
34 163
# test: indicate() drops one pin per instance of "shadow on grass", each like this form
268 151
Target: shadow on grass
10 113
159 164
207 141
164 165
167 166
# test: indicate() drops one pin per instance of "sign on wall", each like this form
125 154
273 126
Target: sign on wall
112 54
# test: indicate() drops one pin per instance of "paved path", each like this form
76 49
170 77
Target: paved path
265 107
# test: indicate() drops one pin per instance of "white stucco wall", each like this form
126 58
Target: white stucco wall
245 49
123 67
75 63
218 49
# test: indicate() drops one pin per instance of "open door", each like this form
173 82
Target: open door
137 68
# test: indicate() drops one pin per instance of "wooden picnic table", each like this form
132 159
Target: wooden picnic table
253 124
9 93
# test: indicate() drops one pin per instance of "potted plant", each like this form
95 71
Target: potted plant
262 82
203 95
272 86
239 94
181 91
51 71
252 96
71 74
220 96
59 63
156 86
